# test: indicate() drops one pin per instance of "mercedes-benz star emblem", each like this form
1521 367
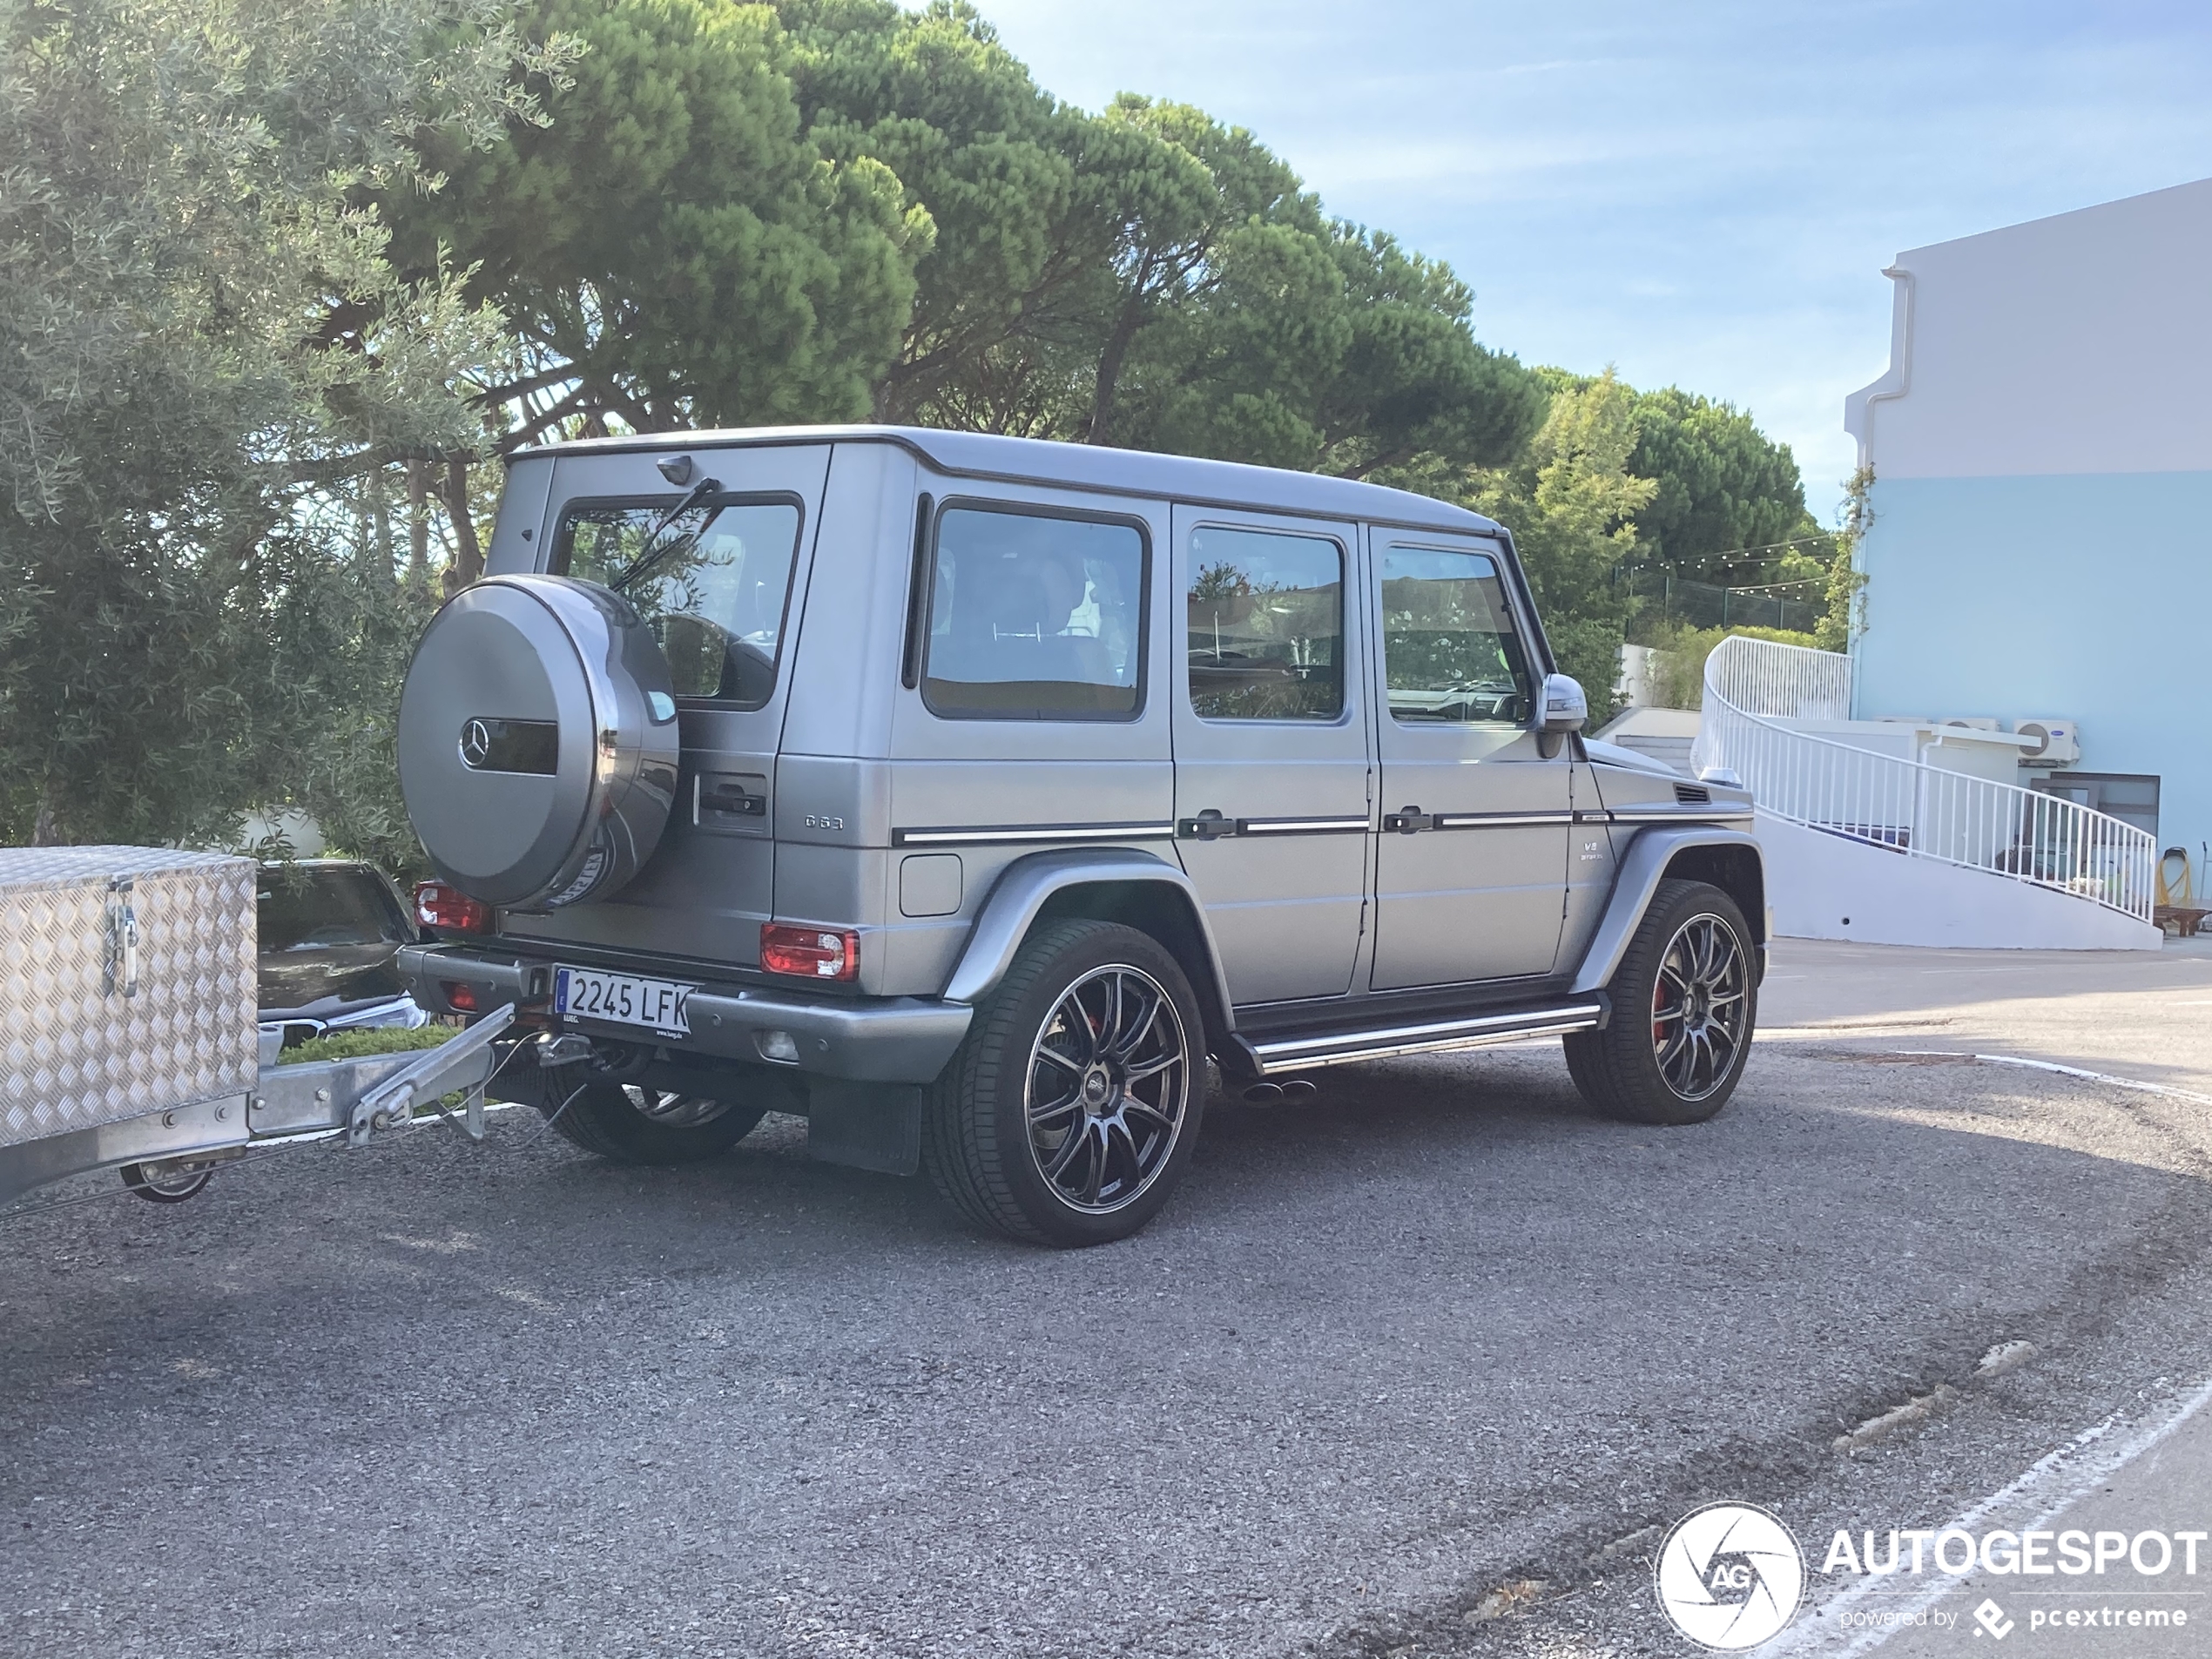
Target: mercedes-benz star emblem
475 744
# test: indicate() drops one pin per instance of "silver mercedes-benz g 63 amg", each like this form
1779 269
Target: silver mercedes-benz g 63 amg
966 793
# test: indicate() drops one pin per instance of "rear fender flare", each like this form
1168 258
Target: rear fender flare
1057 882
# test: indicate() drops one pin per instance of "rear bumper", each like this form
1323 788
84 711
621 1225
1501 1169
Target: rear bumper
887 1039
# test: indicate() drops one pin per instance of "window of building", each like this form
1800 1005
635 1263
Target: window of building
2130 796
1035 617
1450 653
1265 613
714 585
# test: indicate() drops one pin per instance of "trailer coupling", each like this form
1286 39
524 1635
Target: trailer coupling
168 1156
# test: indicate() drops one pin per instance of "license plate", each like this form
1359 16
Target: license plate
623 998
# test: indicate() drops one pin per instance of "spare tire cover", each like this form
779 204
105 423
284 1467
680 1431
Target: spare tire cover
538 741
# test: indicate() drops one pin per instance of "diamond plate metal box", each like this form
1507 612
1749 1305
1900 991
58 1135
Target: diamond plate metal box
126 984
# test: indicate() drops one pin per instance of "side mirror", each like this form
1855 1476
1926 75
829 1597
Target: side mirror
1565 707
1565 710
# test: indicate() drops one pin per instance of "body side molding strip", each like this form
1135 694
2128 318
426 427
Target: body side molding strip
1218 829
1304 825
1499 820
985 834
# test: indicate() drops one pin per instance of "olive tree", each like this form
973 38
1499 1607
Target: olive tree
207 365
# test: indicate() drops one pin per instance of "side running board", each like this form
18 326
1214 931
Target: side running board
1436 1036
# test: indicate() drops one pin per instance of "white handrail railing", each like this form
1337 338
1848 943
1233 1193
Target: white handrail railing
1752 686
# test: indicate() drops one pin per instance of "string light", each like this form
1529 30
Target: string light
1733 556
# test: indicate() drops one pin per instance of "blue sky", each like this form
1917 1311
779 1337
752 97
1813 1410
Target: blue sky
1701 193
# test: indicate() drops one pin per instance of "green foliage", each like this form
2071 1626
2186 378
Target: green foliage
356 1045
829 208
671 247
273 275
1248 326
1728 508
205 357
1147 276
1846 612
1009 274
1722 485
1572 504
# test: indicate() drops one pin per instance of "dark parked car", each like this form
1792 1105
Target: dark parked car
329 930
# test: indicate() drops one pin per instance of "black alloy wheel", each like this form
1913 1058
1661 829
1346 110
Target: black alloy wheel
1685 1004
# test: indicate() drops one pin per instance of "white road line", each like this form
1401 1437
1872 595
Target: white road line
2055 1482
2064 1071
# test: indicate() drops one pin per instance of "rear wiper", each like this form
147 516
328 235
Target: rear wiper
656 550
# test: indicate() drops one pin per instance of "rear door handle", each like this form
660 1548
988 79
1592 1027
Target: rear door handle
728 803
1409 820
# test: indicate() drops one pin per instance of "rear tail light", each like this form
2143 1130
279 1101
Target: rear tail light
449 909
462 997
809 953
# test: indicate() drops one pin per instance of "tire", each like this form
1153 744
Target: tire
173 1185
999 1154
631 1124
1685 1004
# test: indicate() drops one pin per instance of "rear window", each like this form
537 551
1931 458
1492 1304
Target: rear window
1035 617
308 909
1266 618
713 585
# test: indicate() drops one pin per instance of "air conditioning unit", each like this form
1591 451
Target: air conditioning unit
2060 741
1971 722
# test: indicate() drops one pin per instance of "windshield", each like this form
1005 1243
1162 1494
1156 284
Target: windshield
309 909
713 591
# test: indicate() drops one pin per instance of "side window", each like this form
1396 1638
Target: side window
1035 616
713 584
1450 654
1266 625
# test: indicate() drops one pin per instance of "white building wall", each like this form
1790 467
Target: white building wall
2080 343
2042 451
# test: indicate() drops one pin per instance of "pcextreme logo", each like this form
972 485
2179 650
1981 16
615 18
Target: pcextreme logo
1730 1576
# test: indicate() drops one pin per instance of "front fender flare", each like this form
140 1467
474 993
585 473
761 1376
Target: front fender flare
1022 891
1642 869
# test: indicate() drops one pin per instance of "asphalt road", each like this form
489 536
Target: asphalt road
1437 1331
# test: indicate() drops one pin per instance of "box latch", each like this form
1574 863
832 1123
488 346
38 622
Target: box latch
122 964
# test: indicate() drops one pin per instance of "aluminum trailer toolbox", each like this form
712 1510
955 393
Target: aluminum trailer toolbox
128 1031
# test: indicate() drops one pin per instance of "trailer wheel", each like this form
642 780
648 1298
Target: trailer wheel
633 1124
167 1183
